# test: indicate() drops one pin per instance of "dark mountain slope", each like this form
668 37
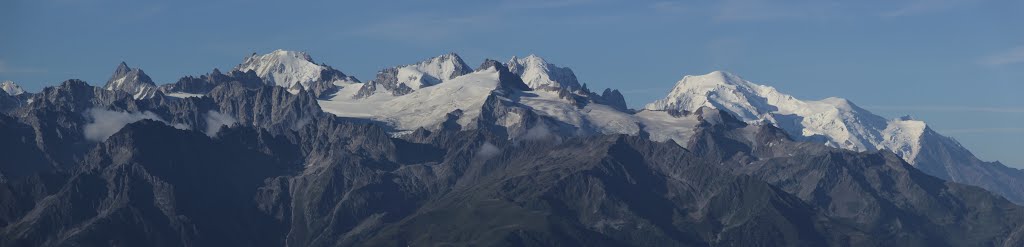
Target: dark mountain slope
289 174
153 185
876 192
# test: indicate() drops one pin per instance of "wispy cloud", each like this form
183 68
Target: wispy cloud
1011 56
424 27
725 51
984 131
6 68
950 108
545 4
761 10
670 7
916 7
435 27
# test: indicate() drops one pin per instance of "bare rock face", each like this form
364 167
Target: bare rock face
8 102
205 83
250 164
132 81
268 107
875 191
613 97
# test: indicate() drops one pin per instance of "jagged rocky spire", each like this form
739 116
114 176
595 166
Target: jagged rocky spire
132 81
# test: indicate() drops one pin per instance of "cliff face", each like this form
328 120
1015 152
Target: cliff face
272 178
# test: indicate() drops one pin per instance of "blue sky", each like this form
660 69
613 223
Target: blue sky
957 64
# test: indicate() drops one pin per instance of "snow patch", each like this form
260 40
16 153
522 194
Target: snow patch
185 95
426 107
11 88
539 132
593 118
662 126
903 137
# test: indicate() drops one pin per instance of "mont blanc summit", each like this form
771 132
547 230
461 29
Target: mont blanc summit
838 122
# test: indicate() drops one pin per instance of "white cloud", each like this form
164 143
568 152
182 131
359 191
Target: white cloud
1011 56
105 122
6 68
487 150
759 10
725 51
417 28
545 4
538 132
432 27
215 120
670 7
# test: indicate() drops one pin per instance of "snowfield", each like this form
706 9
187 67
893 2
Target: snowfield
837 121
426 107
444 84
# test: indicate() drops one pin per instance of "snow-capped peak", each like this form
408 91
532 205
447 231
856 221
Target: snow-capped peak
433 71
541 75
10 88
424 107
834 121
131 80
404 79
717 89
290 68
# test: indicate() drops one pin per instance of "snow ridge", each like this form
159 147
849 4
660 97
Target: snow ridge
405 79
432 71
294 70
462 98
424 93
835 121
541 75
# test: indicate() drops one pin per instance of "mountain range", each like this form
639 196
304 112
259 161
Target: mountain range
282 150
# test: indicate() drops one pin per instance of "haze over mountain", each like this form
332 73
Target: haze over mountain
284 151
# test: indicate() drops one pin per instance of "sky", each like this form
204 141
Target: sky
956 64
